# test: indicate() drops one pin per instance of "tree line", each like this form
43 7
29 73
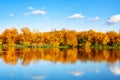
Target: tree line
64 37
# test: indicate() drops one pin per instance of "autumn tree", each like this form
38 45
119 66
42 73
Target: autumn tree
25 36
64 37
10 36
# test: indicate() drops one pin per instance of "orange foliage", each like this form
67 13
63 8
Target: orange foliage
59 38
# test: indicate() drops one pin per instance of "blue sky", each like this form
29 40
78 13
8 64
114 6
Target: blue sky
46 15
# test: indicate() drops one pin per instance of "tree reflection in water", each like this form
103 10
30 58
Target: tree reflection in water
27 55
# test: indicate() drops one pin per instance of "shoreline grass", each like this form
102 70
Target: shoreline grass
33 46
60 47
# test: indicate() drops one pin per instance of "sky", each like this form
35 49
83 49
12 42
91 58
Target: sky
47 15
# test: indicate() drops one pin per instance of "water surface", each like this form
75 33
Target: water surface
56 64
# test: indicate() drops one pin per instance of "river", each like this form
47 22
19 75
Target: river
59 64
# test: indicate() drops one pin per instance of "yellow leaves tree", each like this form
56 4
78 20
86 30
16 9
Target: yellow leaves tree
112 35
1 40
106 40
10 36
35 38
25 36
59 38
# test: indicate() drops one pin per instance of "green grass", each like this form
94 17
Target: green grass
47 46
105 47
33 46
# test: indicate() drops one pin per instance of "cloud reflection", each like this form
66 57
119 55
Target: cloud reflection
11 75
97 71
94 70
34 77
115 68
38 77
76 73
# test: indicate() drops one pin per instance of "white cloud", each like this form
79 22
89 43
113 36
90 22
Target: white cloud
11 14
76 16
31 8
37 77
96 18
36 12
76 73
114 19
115 68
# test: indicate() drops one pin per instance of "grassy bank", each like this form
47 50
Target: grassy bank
114 46
33 46
105 47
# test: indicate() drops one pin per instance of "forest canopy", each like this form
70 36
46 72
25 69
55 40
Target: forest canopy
64 37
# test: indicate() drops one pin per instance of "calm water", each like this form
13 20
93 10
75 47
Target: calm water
55 64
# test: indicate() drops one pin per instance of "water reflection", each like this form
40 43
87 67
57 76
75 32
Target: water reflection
77 73
115 68
27 55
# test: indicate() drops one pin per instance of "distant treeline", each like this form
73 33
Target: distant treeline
70 38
